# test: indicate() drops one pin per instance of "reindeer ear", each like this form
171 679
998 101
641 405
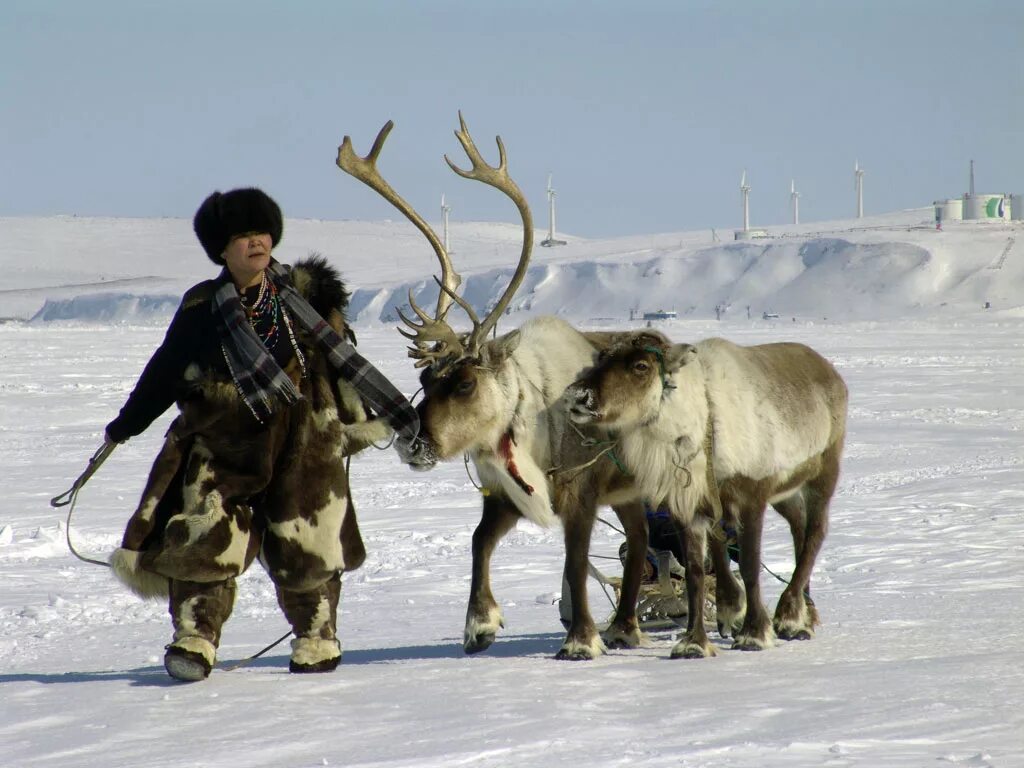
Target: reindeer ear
678 355
494 353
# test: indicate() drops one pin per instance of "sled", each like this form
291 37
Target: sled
662 600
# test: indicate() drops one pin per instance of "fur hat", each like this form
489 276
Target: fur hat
224 215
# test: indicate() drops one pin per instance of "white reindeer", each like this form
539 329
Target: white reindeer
720 430
499 401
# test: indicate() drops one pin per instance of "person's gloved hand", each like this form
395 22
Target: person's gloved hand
108 440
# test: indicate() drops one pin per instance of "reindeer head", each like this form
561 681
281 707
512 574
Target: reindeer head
462 407
625 387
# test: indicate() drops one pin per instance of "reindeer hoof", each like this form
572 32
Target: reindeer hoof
578 654
579 650
746 647
479 643
747 644
799 634
619 639
687 653
685 650
723 630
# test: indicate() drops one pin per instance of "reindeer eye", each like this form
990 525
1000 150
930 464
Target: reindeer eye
465 387
641 366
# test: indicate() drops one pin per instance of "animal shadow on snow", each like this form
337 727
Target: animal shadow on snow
541 643
510 646
506 646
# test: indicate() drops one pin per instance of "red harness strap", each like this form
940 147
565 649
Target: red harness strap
505 451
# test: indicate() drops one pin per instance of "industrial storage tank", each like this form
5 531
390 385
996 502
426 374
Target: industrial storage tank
949 210
986 207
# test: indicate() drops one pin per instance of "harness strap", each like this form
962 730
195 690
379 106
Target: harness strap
666 384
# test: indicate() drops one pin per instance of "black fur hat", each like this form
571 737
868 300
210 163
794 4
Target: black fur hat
224 215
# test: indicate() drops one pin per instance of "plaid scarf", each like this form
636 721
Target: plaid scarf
260 380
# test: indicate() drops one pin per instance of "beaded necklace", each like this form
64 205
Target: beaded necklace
266 316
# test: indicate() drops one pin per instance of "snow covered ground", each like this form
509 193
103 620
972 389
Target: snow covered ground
920 584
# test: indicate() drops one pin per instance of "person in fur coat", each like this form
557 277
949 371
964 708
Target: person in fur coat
272 397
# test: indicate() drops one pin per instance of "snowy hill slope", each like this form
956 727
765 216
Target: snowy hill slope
885 266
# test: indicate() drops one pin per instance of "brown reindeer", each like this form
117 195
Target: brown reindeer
499 401
718 431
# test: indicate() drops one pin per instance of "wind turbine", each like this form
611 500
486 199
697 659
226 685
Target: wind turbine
794 198
550 241
858 184
745 193
445 210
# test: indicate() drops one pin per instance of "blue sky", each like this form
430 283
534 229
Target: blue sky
645 112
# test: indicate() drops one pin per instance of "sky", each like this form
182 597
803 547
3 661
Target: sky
646 113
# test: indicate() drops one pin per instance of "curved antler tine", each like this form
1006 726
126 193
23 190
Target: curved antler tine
467 145
497 177
481 170
378 143
466 306
365 169
446 342
420 363
420 313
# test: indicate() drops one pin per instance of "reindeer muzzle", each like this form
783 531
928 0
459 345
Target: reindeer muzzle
417 453
580 403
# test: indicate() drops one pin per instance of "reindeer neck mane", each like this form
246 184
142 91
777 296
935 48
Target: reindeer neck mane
532 379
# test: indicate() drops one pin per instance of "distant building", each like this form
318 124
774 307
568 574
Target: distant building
949 210
986 207
660 314
750 234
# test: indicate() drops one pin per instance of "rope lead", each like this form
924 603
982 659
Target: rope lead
70 496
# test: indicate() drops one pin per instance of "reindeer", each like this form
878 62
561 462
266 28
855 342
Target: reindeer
719 431
499 402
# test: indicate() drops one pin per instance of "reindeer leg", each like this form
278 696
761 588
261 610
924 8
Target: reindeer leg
756 633
483 616
730 600
582 641
694 644
795 614
794 512
624 631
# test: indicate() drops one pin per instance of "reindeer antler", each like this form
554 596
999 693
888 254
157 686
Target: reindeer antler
498 178
365 169
446 343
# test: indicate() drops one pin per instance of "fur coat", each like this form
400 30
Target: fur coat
226 488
